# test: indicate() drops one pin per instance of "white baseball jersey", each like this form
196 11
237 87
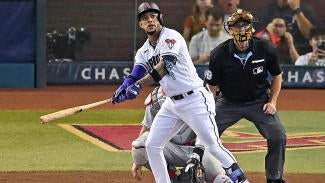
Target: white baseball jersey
178 150
171 42
196 108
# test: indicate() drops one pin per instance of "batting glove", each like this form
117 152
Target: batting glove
119 95
133 91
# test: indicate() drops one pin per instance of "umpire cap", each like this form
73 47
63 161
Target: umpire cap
149 7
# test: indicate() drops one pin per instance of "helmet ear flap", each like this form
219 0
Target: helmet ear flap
161 18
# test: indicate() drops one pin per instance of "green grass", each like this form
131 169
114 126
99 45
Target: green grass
26 145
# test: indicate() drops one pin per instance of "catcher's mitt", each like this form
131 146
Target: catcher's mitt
195 174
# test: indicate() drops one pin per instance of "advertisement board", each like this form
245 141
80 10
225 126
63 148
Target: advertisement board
115 72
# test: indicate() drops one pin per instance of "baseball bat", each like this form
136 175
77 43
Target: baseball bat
71 111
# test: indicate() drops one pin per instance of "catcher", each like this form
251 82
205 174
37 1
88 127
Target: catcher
177 151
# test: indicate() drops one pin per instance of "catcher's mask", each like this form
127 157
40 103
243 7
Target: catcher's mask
240 16
149 7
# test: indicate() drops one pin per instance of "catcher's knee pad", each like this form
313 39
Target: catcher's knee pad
139 153
221 178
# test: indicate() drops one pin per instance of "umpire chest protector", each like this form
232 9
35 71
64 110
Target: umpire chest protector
243 76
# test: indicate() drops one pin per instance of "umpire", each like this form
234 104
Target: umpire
238 72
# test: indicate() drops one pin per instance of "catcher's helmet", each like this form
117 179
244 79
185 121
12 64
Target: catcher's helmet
149 7
240 15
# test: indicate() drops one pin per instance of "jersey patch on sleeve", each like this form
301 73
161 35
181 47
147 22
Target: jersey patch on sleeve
170 43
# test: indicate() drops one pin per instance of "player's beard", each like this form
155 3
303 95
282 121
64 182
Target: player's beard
154 30
150 33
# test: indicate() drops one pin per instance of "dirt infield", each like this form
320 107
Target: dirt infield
61 97
64 96
122 177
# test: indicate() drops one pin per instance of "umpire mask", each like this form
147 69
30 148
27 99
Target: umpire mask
234 28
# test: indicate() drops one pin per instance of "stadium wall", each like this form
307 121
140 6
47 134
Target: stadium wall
114 36
115 72
22 46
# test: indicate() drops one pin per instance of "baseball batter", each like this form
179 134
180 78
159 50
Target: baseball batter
164 58
177 151
239 68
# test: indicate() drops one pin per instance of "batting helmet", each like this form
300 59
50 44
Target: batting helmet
149 7
240 15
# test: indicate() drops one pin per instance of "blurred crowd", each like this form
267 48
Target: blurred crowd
290 25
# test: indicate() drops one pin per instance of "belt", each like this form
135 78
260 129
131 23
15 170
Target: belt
181 96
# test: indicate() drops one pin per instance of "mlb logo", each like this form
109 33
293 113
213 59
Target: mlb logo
258 70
